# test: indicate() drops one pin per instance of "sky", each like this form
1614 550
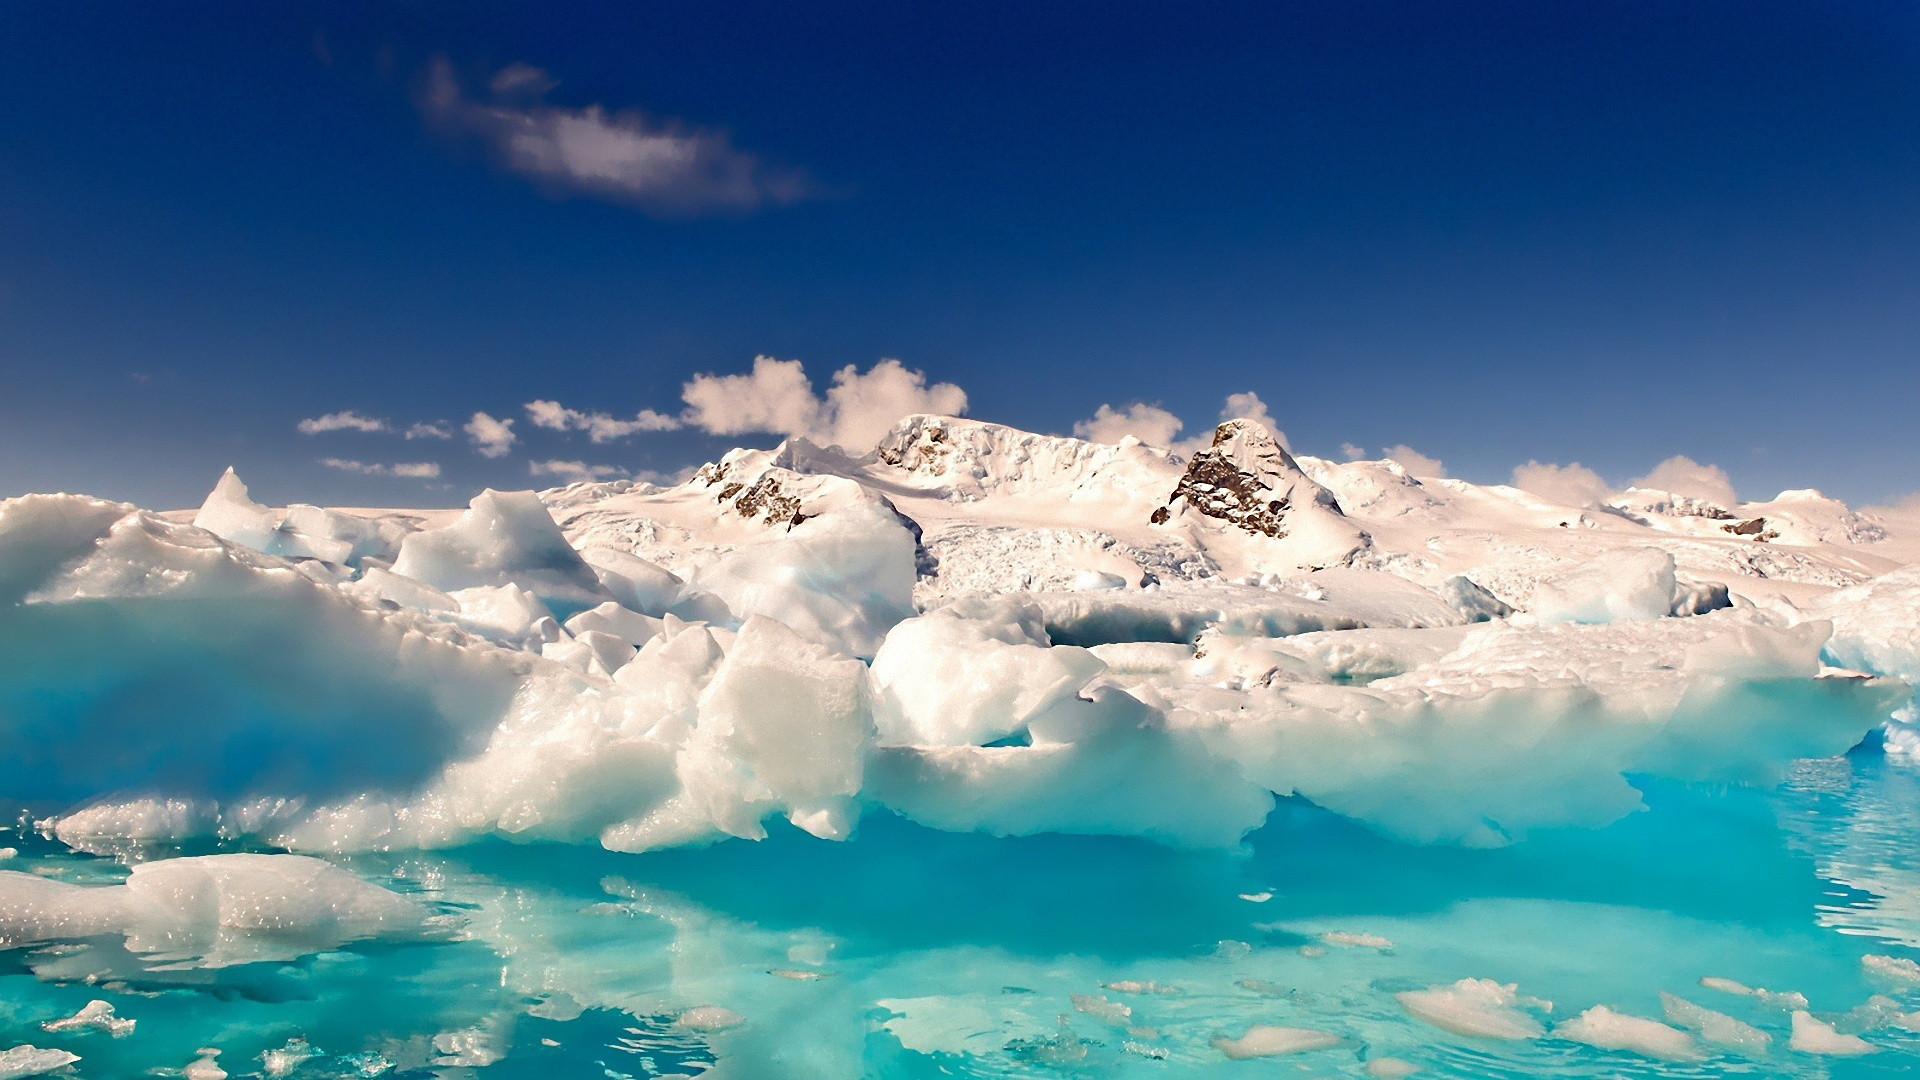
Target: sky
386 254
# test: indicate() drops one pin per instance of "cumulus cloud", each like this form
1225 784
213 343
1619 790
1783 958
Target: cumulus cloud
414 470
656 164
491 437
600 427
439 429
1575 484
1417 464
1684 476
571 471
1151 424
344 420
1352 452
777 398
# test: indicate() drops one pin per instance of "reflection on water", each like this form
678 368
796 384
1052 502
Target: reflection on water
912 953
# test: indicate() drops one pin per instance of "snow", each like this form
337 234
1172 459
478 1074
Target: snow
1637 583
1715 1027
504 538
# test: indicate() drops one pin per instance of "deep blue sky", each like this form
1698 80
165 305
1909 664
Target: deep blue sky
1604 232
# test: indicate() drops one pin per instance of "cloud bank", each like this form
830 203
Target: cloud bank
344 420
658 165
600 427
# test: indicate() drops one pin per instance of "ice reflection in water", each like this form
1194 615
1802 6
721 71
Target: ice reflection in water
910 953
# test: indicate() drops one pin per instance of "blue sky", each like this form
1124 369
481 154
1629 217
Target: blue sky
1601 232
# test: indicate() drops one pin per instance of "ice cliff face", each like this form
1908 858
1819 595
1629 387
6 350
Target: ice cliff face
974 627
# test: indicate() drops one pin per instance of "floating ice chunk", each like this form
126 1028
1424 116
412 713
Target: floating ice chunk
380 584
1715 1027
474 1048
1891 968
1784 999
1256 897
1478 1007
1266 1041
24 1061
636 583
1390 1069
709 1018
1811 1036
504 537
1633 584
231 514
506 613
1135 986
205 1067
94 1014
945 679
841 579
610 618
1605 1029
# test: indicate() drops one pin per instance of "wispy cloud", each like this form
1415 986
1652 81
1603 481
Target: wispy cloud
1574 484
439 429
344 420
575 470
491 437
413 470
1151 424
659 165
600 427
1418 465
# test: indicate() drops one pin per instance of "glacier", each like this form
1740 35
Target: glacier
240 740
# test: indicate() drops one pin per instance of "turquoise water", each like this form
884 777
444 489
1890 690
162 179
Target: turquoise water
913 953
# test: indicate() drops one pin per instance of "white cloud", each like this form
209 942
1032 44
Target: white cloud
1684 476
1248 406
344 420
600 427
439 429
777 398
861 408
491 437
1352 452
658 164
1151 424
574 470
1418 465
414 470
1575 484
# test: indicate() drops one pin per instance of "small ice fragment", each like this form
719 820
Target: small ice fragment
797 976
1101 1009
709 1018
282 1061
1716 1027
1261 986
1263 1041
1359 941
1605 1029
24 1061
8 852
1477 1007
1311 951
94 1014
1782 999
810 953
205 1067
1256 897
1810 1036
1391 1069
1897 968
473 1048
1157 1053
1131 986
